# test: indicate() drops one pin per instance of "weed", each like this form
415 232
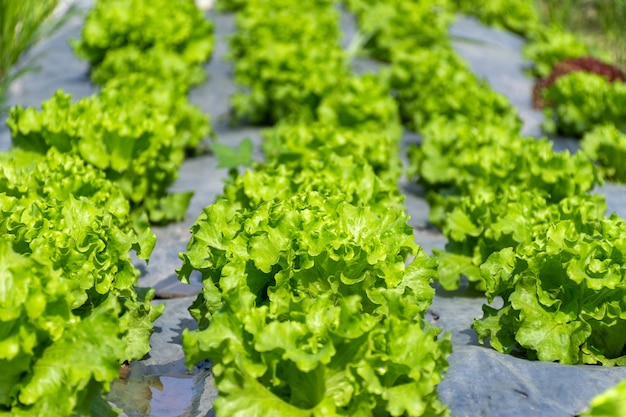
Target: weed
600 23
22 24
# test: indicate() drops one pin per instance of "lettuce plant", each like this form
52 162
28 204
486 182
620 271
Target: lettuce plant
390 26
167 96
517 16
53 360
314 21
125 135
606 146
324 357
563 293
305 300
579 101
326 175
489 221
285 65
230 5
432 83
460 159
447 146
63 210
550 46
296 144
358 118
176 25
362 103
157 62
71 313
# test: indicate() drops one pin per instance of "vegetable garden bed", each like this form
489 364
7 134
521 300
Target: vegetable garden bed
479 382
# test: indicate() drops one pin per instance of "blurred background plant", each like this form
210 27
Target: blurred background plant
22 24
600 23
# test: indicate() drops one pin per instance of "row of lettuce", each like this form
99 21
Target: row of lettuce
520 219
314 292
78 189
584 96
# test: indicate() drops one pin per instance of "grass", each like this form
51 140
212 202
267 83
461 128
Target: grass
601 23
22 24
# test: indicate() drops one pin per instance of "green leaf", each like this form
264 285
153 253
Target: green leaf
228 157
611 403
